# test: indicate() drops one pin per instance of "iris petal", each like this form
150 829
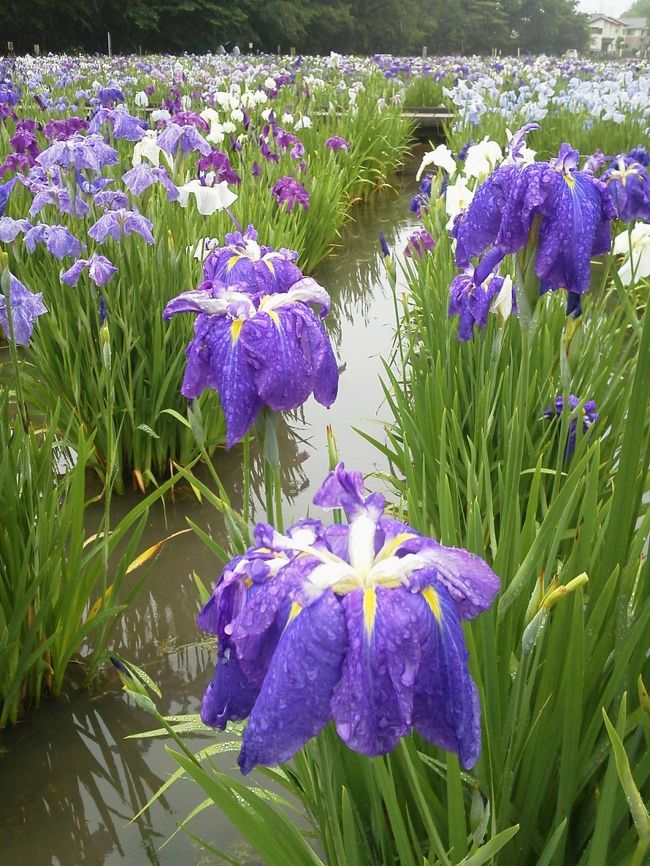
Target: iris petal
294 702
446 709
373 702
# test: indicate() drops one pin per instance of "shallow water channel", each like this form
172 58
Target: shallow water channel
70 782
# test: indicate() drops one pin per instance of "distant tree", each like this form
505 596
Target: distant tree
551 26
639 9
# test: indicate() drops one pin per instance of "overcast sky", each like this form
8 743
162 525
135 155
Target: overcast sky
615 8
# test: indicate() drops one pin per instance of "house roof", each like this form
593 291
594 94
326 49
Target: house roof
600 16
637 23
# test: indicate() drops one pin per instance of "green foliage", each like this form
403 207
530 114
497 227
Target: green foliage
477 466
59 596
639 9
317 26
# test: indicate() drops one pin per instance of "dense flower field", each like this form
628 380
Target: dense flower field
451 671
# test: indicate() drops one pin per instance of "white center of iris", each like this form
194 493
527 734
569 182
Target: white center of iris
364 568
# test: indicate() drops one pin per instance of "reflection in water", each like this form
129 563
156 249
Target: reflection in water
69 780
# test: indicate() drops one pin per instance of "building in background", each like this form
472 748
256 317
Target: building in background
617 36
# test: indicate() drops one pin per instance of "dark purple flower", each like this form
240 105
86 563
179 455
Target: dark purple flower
245 261
218 162
100 270
571 210
589 417
257 350
359 623
64 128
190 118
288 191
420 201
25 309
629 186
267 153
640 154
118 223
5 193
419 243
471 295
336 143
108 95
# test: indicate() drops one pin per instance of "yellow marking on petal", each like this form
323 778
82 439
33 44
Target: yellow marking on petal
232 261
274 318
432 599
369 609
570 181
236 329
293 613
391 546
269 264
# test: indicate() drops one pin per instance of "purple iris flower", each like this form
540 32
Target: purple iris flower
289 191
100 270
518 141
58 240
120 222
11 228
420 201
257 350
471 300
79 151
185 137
109 199
142 176
640 154
589 417
462 153
267 153
15 163
26 307
5 192
59 197
629 185
244 260
359 623
336 143
108 95
595 162
64 128
190 118
92 185
571 209
24 139
218 162
124 125
419 243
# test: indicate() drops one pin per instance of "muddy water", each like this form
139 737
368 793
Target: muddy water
70 781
